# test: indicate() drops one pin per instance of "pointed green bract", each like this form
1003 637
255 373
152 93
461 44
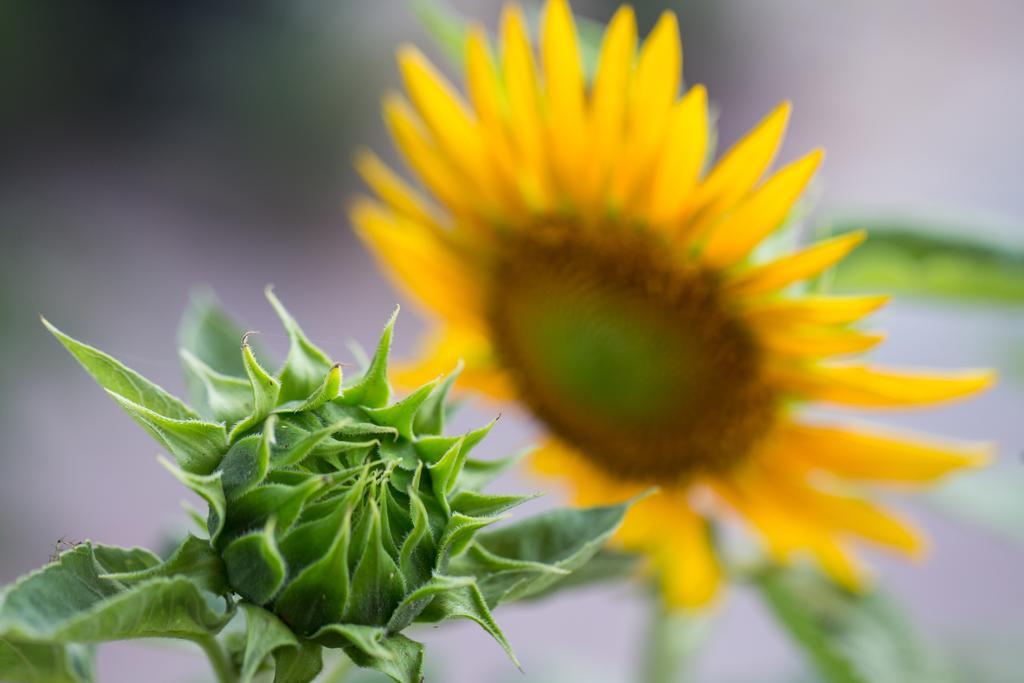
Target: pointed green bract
338 516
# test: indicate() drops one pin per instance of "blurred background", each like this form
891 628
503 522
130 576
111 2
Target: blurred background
152 146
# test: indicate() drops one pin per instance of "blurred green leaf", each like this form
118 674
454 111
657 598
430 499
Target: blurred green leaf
211 335
607 565
28 662
848 638
672 643
448 29
992 499
901 259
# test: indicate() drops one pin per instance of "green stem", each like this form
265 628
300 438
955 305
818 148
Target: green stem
671 643
219 661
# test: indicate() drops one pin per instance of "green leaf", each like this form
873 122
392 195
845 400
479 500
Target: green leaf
372 389
992 499
561 540
254 564
449 31
848 638
197 446
896 258
211 335
70 602
221 397
195 558
306 365
299 665
264 635
607 565
475 504
122 381
28 662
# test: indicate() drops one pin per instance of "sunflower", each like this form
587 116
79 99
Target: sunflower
584 263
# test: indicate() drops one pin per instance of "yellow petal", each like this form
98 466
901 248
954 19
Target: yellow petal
875 387
609 100
689 568
744 164
682 157
812 310
419 263
590 485
812 342
525 123
485 93
442 353
797 266
563 80
732 238
654 89
447 118
878 456
847 514
423 157
394 191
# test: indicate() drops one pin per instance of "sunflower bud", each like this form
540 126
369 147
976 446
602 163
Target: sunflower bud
344 513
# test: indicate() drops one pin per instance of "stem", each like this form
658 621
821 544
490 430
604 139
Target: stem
219 661
671 643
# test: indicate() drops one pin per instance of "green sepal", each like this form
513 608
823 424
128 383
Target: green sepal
414 603
306 365
225 398
122 381
459 532
209 488
327 391
401 415
69 602
264 635
417 556
432 448
475 504
245 465
254 565
377 584
319 592
477 474
195 558
368 640
297 451
403 662
564 539
445 472
196 445
282 502
266 391
461 599
372 389
432 414
298 665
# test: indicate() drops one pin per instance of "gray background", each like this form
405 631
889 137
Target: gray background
152 146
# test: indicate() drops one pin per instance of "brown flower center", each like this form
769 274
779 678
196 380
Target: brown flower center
626 353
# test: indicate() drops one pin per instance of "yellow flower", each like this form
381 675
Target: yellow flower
584 263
